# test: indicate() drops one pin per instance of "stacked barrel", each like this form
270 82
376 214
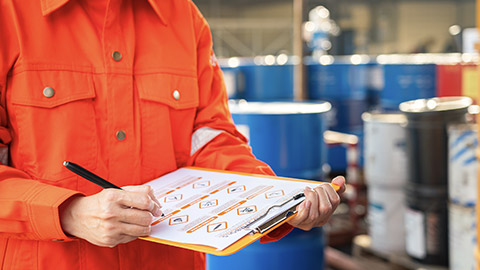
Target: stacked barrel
386 178
462 193
426 219
288 135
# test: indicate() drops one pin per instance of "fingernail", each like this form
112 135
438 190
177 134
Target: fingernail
158 212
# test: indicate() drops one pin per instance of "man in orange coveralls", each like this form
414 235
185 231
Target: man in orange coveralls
130 90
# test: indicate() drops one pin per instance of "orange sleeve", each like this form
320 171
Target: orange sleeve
228 150
29 208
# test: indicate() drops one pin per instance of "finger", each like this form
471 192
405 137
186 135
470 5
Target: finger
144 189
333 196
302 214
133 230
138 197
340 181
325 208
312 196
157 211
136 217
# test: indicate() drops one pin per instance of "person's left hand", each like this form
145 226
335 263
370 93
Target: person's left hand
319 205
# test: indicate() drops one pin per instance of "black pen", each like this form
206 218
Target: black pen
89 175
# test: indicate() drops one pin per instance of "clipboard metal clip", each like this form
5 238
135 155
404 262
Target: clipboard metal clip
278 218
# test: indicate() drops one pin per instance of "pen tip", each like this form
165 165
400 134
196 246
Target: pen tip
65 163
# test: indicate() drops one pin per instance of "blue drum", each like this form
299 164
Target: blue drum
286 135
267 82
345 86
405 82
297 250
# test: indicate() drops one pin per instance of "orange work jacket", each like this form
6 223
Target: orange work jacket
131 91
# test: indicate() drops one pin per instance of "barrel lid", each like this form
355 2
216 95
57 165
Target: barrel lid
387 118
437 104
293 107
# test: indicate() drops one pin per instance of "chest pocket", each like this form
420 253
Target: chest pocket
53 120
167 106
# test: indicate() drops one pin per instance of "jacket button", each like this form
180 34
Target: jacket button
117 56
120 135
48 92
176 95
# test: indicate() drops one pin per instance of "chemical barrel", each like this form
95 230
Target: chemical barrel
426 224
462 236
462 192
462 164
286 135
297 250
234 82
405 82
385 149
345 86
427 137
386 175
267 82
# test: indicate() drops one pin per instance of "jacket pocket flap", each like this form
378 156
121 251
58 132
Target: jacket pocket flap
177 91
49 89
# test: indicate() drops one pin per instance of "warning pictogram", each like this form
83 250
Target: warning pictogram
236 189
206 204
178 220
217 227
247 210
173 198
203 184
274 194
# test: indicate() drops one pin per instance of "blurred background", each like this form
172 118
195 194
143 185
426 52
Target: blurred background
383 92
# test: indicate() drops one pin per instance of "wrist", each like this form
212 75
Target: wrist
65 213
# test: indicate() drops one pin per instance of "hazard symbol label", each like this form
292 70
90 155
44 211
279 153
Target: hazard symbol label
247 210
173 198
274 194
207 204
178 220
203 184
217 227
236 189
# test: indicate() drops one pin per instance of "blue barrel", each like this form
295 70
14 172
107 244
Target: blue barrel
405 82
337 81
234 82
267 82
286 135
297 250
345 86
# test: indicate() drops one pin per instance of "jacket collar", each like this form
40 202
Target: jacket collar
161 7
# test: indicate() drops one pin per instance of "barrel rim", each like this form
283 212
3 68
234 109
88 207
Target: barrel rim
278 107
436 104
384 118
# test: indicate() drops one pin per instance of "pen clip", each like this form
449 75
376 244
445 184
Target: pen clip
279 218
276 220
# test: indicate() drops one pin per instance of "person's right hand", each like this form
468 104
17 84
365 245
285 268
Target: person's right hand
112 216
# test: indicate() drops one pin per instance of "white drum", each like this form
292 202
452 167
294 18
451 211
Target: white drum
384 150
462 164
386 211
461 237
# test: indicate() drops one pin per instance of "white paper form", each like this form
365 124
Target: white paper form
213 208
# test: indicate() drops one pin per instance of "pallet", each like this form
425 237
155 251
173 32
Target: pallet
372 259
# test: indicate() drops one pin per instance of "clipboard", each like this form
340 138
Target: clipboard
260 229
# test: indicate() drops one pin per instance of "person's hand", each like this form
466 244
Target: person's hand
318 205
112 216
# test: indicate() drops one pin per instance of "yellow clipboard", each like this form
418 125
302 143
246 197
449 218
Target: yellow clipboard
262 230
